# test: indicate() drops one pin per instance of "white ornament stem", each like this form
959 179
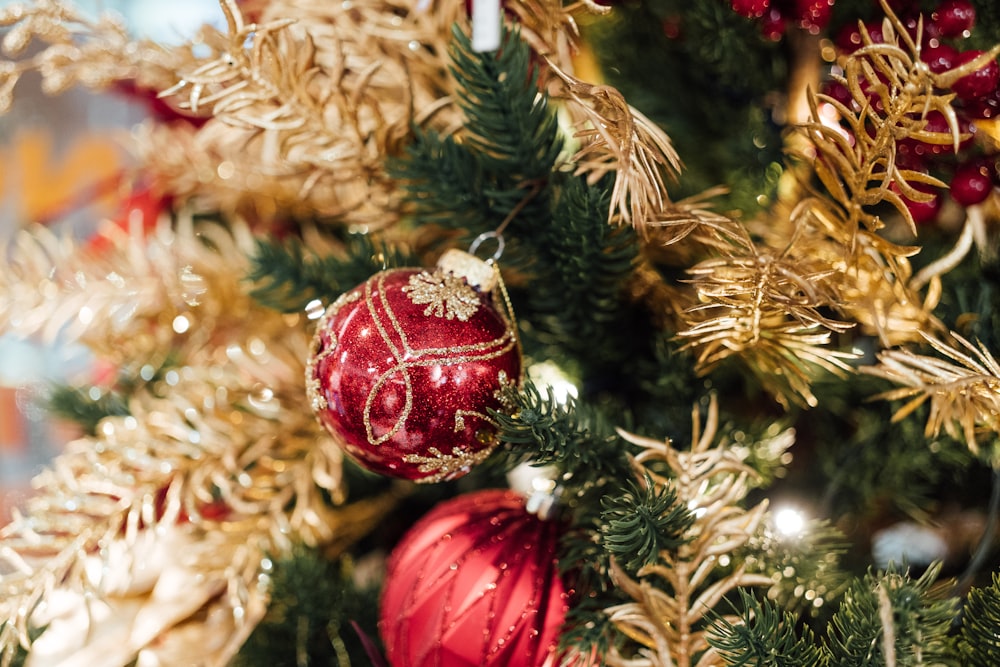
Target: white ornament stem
485 25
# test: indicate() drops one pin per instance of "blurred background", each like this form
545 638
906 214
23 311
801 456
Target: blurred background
61 158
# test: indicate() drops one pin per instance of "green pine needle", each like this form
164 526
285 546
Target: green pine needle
499 95
582 265
919 621
570 435
76 404
641 521
502 162
763 636
288 276
979 642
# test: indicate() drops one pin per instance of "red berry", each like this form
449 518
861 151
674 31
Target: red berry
838 91
813 15
939 58
751 9
938 124
954 18
980 83
773 25
848 39
672 26
921 211
987 106
972 183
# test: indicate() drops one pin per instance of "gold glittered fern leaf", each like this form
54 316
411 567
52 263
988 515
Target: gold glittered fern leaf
962 386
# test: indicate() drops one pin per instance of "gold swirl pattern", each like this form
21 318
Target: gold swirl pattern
408 357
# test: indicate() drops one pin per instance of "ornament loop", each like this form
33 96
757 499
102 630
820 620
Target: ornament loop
486 236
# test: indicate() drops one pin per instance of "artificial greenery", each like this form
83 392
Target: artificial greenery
866 462
317 615
764 636
569 274
581 267
288 276
890 619
979 642
644 520
569 434
501 165
85 408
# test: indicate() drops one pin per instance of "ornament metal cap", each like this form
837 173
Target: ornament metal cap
479 274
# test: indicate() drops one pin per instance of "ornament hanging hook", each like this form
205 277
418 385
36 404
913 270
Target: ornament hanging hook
486 236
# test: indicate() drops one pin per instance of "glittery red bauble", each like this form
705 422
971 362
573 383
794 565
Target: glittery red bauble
474 583
404 369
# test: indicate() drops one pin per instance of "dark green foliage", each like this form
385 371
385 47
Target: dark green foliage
76 404
309 620
580 441
920 621
868 461
581 265
498 95
289 276
588 633
979 642
970 300
639 523
764 636
708 87
504 158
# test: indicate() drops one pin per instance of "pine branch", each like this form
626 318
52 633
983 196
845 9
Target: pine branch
314 603
289 276
507 150
78 406
888 619
583 264
643 521
979 643
498 93
577 439
672 599
763 636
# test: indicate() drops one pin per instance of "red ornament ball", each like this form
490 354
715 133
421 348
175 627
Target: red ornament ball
405 367
474 583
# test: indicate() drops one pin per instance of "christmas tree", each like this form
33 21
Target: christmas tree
641 334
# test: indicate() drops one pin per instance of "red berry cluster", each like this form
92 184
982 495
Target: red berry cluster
777 16
971 174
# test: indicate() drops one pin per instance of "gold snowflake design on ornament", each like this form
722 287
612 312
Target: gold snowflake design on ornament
446 466
445 294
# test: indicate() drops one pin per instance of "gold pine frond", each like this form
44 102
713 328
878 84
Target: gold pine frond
766 308
615 137
672 598
962 386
